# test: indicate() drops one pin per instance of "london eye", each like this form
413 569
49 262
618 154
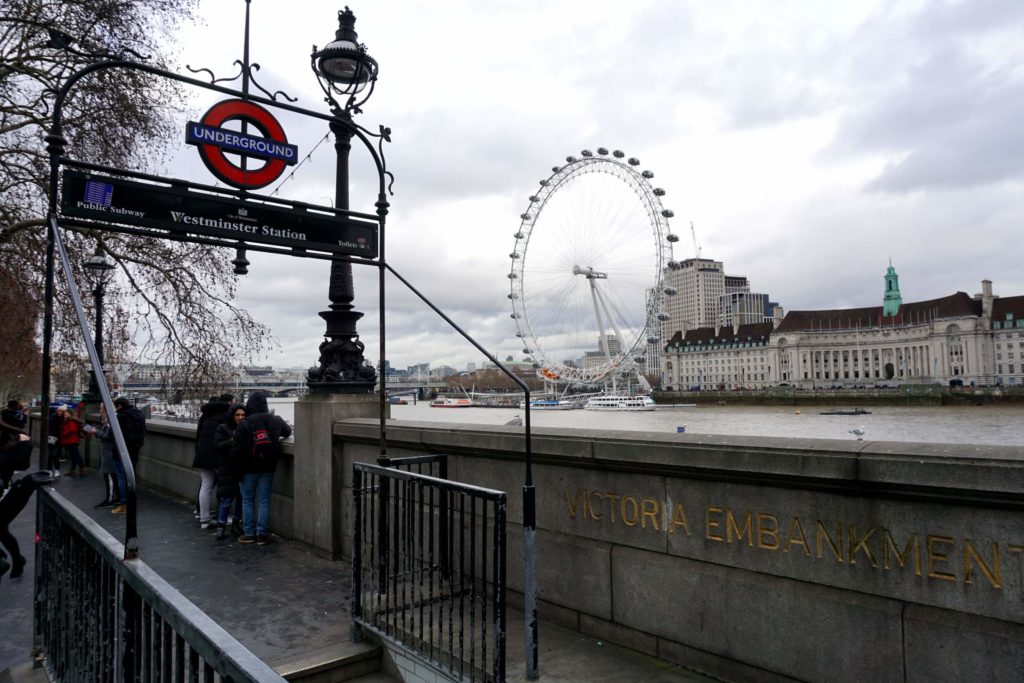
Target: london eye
587 268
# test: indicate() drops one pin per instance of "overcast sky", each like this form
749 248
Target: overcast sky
809 142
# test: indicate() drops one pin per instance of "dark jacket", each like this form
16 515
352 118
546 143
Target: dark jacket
133 427
212 415
12 418
258 416
227 472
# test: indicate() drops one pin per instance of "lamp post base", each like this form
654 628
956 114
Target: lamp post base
341 368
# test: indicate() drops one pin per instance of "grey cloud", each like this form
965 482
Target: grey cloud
945 112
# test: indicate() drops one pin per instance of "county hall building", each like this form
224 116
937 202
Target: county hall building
958 338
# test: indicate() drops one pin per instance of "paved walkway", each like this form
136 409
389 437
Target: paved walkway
280 600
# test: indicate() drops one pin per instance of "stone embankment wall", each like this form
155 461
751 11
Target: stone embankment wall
759 559
748 559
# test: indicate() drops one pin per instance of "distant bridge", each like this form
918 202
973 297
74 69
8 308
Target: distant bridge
285 387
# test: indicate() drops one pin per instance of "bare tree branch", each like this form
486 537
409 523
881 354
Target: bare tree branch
169 303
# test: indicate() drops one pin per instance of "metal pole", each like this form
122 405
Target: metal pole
97 298
341 364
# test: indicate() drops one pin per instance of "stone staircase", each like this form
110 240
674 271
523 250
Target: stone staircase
360 662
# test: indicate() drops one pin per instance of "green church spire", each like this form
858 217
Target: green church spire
892 301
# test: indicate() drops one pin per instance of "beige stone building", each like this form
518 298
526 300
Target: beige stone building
975 340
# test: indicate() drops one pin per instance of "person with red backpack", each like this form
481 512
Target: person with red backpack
257 446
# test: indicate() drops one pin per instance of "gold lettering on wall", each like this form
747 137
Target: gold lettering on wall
649 508
767 531
822 534
890 550
741 531
614 498
630 511
678 519
938 557
712 523
991 571
574 503
861 545
795 536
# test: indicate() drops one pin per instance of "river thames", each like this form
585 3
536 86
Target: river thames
986 424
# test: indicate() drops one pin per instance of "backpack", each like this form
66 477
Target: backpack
134 429
265 448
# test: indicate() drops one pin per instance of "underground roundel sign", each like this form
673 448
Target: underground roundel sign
267 153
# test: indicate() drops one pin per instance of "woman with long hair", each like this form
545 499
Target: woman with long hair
227 471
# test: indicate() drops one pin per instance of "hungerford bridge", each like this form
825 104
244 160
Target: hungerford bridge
286 386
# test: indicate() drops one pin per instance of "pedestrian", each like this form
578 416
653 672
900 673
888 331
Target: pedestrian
10 506
212 415
70 437
105 436
15 453
133 428
228 492
255 451
13 414
54 428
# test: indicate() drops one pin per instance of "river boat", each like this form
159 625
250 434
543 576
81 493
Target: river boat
549 404
451 402
855 411
631 403
397 401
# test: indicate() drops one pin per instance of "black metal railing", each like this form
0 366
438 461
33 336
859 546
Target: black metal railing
428 568
99 617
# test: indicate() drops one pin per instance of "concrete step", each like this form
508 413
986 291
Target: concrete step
339 662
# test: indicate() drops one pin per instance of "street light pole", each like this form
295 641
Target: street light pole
344 68
98 266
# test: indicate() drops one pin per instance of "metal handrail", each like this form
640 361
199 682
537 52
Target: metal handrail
131 536
429 569
105 618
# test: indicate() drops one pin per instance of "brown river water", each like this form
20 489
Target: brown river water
986 424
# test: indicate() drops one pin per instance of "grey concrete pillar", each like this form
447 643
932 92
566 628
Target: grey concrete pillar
318 471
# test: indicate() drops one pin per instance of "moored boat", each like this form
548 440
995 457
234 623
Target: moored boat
620 403
549 404
451 402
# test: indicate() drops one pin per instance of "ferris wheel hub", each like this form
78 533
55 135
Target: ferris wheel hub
589 273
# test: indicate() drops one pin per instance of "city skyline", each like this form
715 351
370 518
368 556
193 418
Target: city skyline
804 163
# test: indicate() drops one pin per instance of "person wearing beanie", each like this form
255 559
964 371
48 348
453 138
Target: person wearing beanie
255 450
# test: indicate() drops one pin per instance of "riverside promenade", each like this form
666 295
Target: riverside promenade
281 601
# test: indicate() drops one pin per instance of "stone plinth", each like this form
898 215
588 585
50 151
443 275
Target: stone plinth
317 472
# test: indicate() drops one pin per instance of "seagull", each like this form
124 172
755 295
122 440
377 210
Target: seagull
858 432
515 422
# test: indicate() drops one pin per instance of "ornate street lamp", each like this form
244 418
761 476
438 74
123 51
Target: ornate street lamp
98 266
344 70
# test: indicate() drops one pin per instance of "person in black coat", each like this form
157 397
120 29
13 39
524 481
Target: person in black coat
15 453
212 414
11 506
255 450
227 473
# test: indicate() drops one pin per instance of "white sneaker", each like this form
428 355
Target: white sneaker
55 473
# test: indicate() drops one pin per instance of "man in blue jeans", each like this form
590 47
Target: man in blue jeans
256 449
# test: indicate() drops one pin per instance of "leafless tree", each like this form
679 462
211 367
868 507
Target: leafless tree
169 303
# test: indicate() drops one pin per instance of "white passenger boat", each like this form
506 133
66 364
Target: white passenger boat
549 404
621 403
451 402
